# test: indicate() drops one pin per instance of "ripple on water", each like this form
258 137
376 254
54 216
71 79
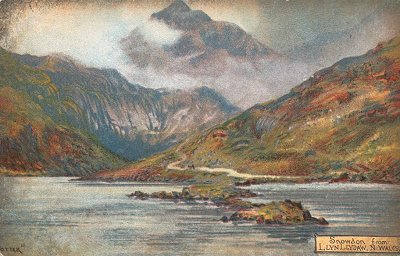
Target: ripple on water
83 218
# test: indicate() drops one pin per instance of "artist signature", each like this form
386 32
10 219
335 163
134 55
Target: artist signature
11 249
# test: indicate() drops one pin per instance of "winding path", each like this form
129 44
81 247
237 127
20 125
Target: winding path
230 172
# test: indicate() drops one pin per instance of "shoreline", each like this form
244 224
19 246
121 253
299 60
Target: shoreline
246 183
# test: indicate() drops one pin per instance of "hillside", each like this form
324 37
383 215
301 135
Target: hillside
126 119
32 142
342 124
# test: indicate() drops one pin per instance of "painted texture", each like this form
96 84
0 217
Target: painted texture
197 127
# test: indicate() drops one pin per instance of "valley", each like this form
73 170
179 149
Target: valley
338 125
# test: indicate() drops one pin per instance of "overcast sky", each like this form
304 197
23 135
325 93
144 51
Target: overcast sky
93 27
90 30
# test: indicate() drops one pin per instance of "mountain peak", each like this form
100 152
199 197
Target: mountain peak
179 6
181 16
176 8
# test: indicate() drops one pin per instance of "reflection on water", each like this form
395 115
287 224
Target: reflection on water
53 216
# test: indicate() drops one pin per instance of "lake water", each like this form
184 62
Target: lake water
55 216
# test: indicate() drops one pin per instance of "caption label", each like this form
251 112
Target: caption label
373 244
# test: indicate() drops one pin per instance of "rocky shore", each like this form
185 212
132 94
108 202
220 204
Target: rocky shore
231 198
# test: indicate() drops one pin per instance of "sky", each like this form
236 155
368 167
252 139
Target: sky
281 24
316 32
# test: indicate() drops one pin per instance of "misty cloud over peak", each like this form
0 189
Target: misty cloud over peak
231 46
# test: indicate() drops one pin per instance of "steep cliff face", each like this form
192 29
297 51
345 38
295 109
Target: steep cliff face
130 120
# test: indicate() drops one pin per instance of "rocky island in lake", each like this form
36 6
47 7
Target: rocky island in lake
283 212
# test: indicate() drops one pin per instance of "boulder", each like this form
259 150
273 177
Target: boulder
224 219
307 215
139 195
186 195
322 221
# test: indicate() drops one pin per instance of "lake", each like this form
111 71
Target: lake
56 216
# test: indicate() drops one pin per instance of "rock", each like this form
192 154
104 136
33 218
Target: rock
283 212
322 221
225 219
205 198
269 222
235 217
139 195
260 220
160 195
176 195
296 204
307 215
248 194
186 195
272 222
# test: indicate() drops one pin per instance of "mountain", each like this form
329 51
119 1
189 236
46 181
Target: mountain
35 138
96 109
342 124
217 54
202 35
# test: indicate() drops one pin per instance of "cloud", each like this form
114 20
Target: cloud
158 33
244 83
314 33
90 34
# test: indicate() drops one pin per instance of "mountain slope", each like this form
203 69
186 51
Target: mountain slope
341 124
127 119
343 120
31 140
